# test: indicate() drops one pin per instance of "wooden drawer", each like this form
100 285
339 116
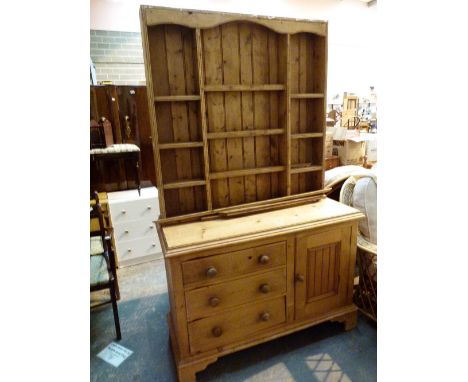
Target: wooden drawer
147 209
238 324
206 301
137 248
136 229
218 267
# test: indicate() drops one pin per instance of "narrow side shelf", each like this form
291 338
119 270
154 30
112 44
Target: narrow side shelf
244 133
184 184
304 167
306 95
179 145
306 135
177 98
246 172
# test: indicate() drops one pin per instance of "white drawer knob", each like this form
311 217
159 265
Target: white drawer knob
124 212
151 227
129 250
154 244
149 207
126 231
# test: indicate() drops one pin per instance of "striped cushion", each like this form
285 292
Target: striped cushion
98 271
117 148
96 247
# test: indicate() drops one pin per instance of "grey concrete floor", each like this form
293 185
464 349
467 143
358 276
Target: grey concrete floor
321 353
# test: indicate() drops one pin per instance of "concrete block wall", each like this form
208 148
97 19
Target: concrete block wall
118 57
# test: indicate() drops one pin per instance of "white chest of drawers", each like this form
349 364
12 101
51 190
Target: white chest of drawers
132 217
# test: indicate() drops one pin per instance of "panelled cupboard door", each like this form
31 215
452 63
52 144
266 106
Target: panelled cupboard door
322 264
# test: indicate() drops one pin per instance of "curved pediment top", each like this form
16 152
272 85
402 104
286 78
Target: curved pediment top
207 19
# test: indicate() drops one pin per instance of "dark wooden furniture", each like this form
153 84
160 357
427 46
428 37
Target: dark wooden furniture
103 274
126 108
132 156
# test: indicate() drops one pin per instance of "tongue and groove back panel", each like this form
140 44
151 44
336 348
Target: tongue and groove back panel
237 107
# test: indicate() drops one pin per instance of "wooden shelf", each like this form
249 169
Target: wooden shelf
177 98
306 95
245 172
244 133
184 183
244 88
306 135
179 145
304 167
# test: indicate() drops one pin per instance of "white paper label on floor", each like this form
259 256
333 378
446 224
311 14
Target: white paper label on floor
115 354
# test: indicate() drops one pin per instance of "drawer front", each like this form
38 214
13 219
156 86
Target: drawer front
206 301
219 267
147 209
231 326
136 229
137 248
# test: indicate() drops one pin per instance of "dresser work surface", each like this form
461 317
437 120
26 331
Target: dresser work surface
234 283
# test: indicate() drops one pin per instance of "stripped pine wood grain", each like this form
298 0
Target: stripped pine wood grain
232 102
180 123
261 107
318 272
191 87
325 269
287 149
274 109
294 109
332 266
165 134
303 145
213 65
203 123
247 109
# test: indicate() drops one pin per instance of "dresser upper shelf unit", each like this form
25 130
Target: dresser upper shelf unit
236 105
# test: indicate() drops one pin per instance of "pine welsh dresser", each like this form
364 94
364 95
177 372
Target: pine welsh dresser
252 247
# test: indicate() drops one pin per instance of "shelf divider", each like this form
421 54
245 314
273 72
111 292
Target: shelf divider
204 129
288 114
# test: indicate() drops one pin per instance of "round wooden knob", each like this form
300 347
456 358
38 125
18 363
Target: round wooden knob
211 272
214 301
265 316
264 259
217 331
299 278
265 288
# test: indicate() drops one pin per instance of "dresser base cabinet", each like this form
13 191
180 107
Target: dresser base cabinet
235 283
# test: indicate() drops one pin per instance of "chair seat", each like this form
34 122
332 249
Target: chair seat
98 272
96 247
117 148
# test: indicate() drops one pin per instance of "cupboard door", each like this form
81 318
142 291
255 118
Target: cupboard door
322 277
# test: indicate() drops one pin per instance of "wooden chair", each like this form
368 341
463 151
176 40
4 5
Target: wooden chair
103 274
